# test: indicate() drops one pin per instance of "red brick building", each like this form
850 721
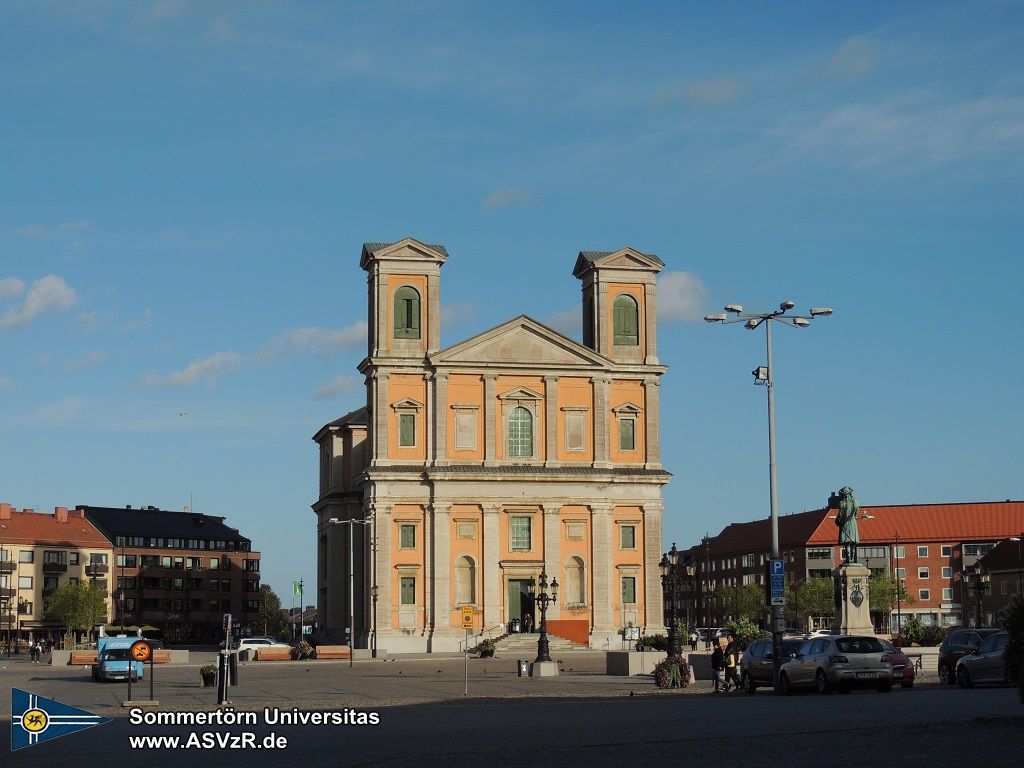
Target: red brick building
928 546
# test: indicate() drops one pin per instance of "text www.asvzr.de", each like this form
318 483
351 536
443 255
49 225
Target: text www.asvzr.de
209 740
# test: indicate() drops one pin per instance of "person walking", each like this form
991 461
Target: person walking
718 668
693 640
732 663
33 652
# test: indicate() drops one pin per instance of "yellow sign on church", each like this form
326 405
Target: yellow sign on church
467 617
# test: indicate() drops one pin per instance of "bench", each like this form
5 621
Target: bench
161 656
83 658
916 660
273 654
333 652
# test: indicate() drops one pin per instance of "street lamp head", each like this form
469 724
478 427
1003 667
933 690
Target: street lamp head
737 308
787 305
752 323
554 589
714 318
664 566
801 322
816 311
673 554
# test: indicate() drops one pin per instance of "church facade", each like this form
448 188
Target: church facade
474 468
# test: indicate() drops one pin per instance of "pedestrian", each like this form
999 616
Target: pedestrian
33 652
527 623
732 663
693 640
718 668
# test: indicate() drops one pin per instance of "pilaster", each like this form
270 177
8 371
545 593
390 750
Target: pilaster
491 569
652 437
650 324
654 605
490 418
601 418
441 567
381 530
601 564
434 314
552 548
441 416
551 421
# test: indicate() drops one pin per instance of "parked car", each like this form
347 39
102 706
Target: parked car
757 665
986 664
956 645
903 671
113 661
840 662
254 642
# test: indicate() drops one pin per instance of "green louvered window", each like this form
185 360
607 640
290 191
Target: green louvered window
520 432
625 321
407 313
627 434
408 590
407 430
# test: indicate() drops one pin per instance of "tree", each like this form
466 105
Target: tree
79 607
816 597
743 602
882 592
270 611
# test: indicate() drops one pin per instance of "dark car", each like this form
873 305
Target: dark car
757 667
986 664
958 644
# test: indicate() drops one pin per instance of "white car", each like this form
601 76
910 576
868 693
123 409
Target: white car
253 643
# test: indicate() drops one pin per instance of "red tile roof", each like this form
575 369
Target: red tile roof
975 521
794 530
43 528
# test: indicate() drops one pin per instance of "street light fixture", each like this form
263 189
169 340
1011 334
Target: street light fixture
541 597
751 320
674 575
1020 563
351 584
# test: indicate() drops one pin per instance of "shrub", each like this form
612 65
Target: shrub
744 631
1011 618
913 629
485 648
303 650
653 643
673 672
932 635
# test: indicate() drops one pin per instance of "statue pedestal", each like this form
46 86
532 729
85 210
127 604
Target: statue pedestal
853 608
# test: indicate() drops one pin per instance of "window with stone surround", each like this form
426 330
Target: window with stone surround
629 590
465 581
407 313
407 536
520 433
465 427
408 590
625 321
575 429
575 591
520 533
627 537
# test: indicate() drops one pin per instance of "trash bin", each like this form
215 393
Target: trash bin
524 668
515 625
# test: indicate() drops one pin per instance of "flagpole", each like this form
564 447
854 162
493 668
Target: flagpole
302 627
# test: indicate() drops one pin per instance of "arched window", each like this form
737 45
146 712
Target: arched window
575 589
465 581
625 321
407 313
520 432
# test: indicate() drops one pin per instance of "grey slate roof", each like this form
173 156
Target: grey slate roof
435 247
358 416
114 521
593 256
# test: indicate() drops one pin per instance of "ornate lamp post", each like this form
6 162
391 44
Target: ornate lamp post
709 592
541 598
765 375
980 587
674 575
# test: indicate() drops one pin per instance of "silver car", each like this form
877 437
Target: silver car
987 664
840 662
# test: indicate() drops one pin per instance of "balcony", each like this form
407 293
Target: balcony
97 569
7 566
48 592
7 592
55 567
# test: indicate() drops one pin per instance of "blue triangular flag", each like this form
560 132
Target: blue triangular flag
35 719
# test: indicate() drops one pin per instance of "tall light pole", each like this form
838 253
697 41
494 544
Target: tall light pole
1020 563
351 582
765 375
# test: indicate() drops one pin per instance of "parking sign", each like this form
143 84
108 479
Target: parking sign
776 582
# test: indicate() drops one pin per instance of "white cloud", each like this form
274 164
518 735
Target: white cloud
206 369
6 383
48 293
454 311
11 286
681 297
315 340
339 385
86 362
568 322
508 196
855 58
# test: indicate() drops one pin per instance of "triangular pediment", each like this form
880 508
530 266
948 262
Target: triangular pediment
519 342
521 393
624 258
409 249
407 404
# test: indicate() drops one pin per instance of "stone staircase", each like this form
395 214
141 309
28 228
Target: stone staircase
523 645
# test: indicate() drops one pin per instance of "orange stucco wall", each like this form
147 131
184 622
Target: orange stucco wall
406 514
400 387
466 390
576 392
460 548
635 290
573 630
628 557
506 384
419 282
622 392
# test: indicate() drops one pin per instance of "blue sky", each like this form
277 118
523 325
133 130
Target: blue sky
186 186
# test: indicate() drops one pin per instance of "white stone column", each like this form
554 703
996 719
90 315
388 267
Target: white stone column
429 417
601 420
601 566
552 548
654 603
650 325
551 421
383 310
441 576
652 438
433 313
490 418
380 418
440 420
491 570
382 525
428 566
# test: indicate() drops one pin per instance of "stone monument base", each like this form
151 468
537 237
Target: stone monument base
544 669
851 582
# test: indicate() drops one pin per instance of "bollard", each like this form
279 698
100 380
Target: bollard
524 667
222 678
233 666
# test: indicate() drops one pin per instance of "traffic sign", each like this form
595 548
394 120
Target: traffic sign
776 582
467 617
141 650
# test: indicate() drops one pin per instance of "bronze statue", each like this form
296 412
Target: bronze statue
846 507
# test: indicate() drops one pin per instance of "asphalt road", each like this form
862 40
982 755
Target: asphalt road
940 726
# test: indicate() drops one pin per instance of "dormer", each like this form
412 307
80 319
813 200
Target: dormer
403 281
619 313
